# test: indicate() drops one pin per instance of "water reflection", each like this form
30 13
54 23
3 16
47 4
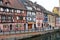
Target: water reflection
49 36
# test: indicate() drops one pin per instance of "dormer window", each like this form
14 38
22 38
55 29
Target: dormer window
1 1
1 9
25 3
29 8
34 7
7 2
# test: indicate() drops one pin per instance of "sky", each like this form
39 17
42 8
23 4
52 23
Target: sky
47 4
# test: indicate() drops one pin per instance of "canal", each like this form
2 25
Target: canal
48 36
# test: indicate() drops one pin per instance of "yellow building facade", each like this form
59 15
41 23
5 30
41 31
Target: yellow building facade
56 10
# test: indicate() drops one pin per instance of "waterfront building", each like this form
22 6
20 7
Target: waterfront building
12 15
22 16
45 21
31 15
39 16
57 11
51 19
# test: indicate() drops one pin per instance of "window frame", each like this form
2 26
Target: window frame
29 8
20 17
1 9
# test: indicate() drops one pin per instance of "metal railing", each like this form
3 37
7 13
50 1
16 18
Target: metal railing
24 31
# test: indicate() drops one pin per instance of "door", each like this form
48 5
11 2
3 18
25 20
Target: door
29 26
24 26
10 26
35 26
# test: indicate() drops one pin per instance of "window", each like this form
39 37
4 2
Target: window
19 18
28 13
34 7
29 8
29 18
18 11
11 10
38 24
1 9
45 14
1 1
25 3
34 19
38 9
15 11
23 18
3 18
57 19
5 26
7 3
40 13
55 10
13 20
33 13
7 10
22 11
9 17
45 19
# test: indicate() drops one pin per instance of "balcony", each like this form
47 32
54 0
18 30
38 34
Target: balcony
31 15
20 14
6 13
21 21
6 21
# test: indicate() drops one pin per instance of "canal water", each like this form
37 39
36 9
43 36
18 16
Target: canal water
48 36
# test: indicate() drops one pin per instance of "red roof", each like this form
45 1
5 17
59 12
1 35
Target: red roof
13 4
16 4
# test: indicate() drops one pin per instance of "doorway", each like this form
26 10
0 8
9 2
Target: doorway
10 27
24 26
29 26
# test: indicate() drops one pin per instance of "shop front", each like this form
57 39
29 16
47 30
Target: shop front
30 25
12 26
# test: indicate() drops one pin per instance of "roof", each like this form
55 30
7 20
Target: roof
51 13
13 4
57 8
29 4
16 4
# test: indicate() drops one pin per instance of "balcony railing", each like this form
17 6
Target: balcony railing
25 31
7 20
8 13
